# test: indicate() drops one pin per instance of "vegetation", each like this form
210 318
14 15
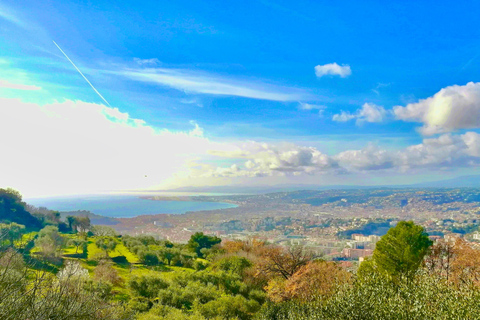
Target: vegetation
43 276
401 251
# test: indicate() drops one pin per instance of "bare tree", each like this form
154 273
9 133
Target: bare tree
283 261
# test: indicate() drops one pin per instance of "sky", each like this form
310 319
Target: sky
99 96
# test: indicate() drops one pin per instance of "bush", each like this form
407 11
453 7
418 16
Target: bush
147 285
105 272
148 258
375 297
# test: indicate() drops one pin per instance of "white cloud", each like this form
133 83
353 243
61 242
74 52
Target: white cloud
370 158
78 147
153 62
309 106
17 86
333 69
343 117
452 108
446 151
262 159
198 82
266 160
369 112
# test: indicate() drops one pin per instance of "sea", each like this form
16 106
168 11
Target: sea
126 206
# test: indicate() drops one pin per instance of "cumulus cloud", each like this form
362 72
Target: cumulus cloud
446 151
70 146
333 69
343 117
261 160
370 158
452 108
369 112
77 147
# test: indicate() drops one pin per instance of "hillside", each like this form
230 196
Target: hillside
88 271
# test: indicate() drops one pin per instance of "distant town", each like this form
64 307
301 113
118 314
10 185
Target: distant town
342 225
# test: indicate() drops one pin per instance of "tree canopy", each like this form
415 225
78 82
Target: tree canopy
200 241
402 249
13 209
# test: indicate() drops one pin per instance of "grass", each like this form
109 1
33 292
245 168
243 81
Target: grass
94 252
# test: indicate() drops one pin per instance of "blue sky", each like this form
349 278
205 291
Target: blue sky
274 92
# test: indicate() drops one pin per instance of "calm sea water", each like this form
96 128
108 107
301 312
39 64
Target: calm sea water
123 206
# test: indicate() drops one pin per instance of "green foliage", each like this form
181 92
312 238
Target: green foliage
233 264
77 243
28 294
168 254
70 222
148 258
11 231
422 297
106 244
11 259
12 209
229 307
147 286
185 296
50 241
401 250
162 312
103 231
199 265
199 241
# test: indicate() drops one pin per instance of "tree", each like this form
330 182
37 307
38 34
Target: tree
199 241
316 279
49 240
77 243
106 244
439 260
11 231
148 258
465 265
284 262
71 222
147 285
401 251
104 231
105 272
235 264
83 224
168 254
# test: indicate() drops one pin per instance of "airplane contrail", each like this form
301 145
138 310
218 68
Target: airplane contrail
91 85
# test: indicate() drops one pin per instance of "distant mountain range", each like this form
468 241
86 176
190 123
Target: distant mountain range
472 181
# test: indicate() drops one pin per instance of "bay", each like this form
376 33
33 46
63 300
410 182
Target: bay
124 206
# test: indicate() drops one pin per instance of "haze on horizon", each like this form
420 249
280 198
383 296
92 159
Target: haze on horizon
197 93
